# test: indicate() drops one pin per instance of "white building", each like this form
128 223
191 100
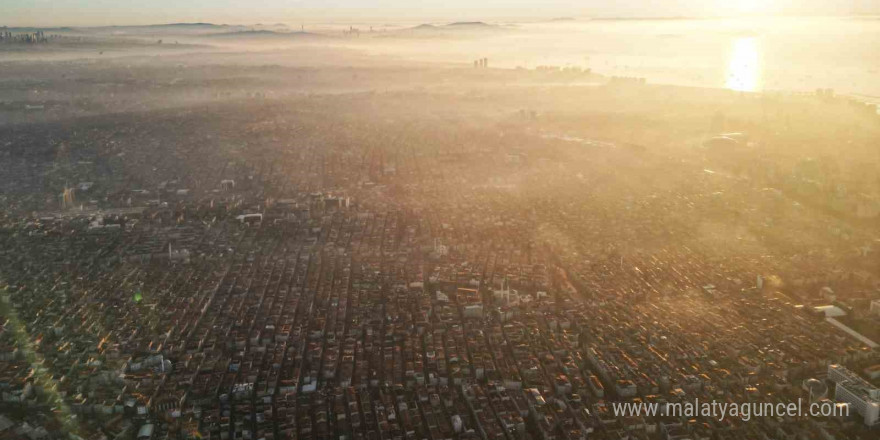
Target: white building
830 311
861 395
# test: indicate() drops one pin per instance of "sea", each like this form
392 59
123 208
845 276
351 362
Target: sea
753 54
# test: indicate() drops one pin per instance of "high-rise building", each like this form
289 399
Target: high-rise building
859 393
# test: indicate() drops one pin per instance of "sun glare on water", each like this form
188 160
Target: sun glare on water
744 69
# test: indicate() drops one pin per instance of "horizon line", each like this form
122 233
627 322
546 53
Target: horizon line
340 20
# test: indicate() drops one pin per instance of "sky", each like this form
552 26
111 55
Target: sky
126 12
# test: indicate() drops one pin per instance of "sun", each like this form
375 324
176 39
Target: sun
744 70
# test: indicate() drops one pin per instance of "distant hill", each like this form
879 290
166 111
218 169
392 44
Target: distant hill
474 24
459 26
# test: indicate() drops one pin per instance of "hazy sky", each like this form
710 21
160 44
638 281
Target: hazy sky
106 12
